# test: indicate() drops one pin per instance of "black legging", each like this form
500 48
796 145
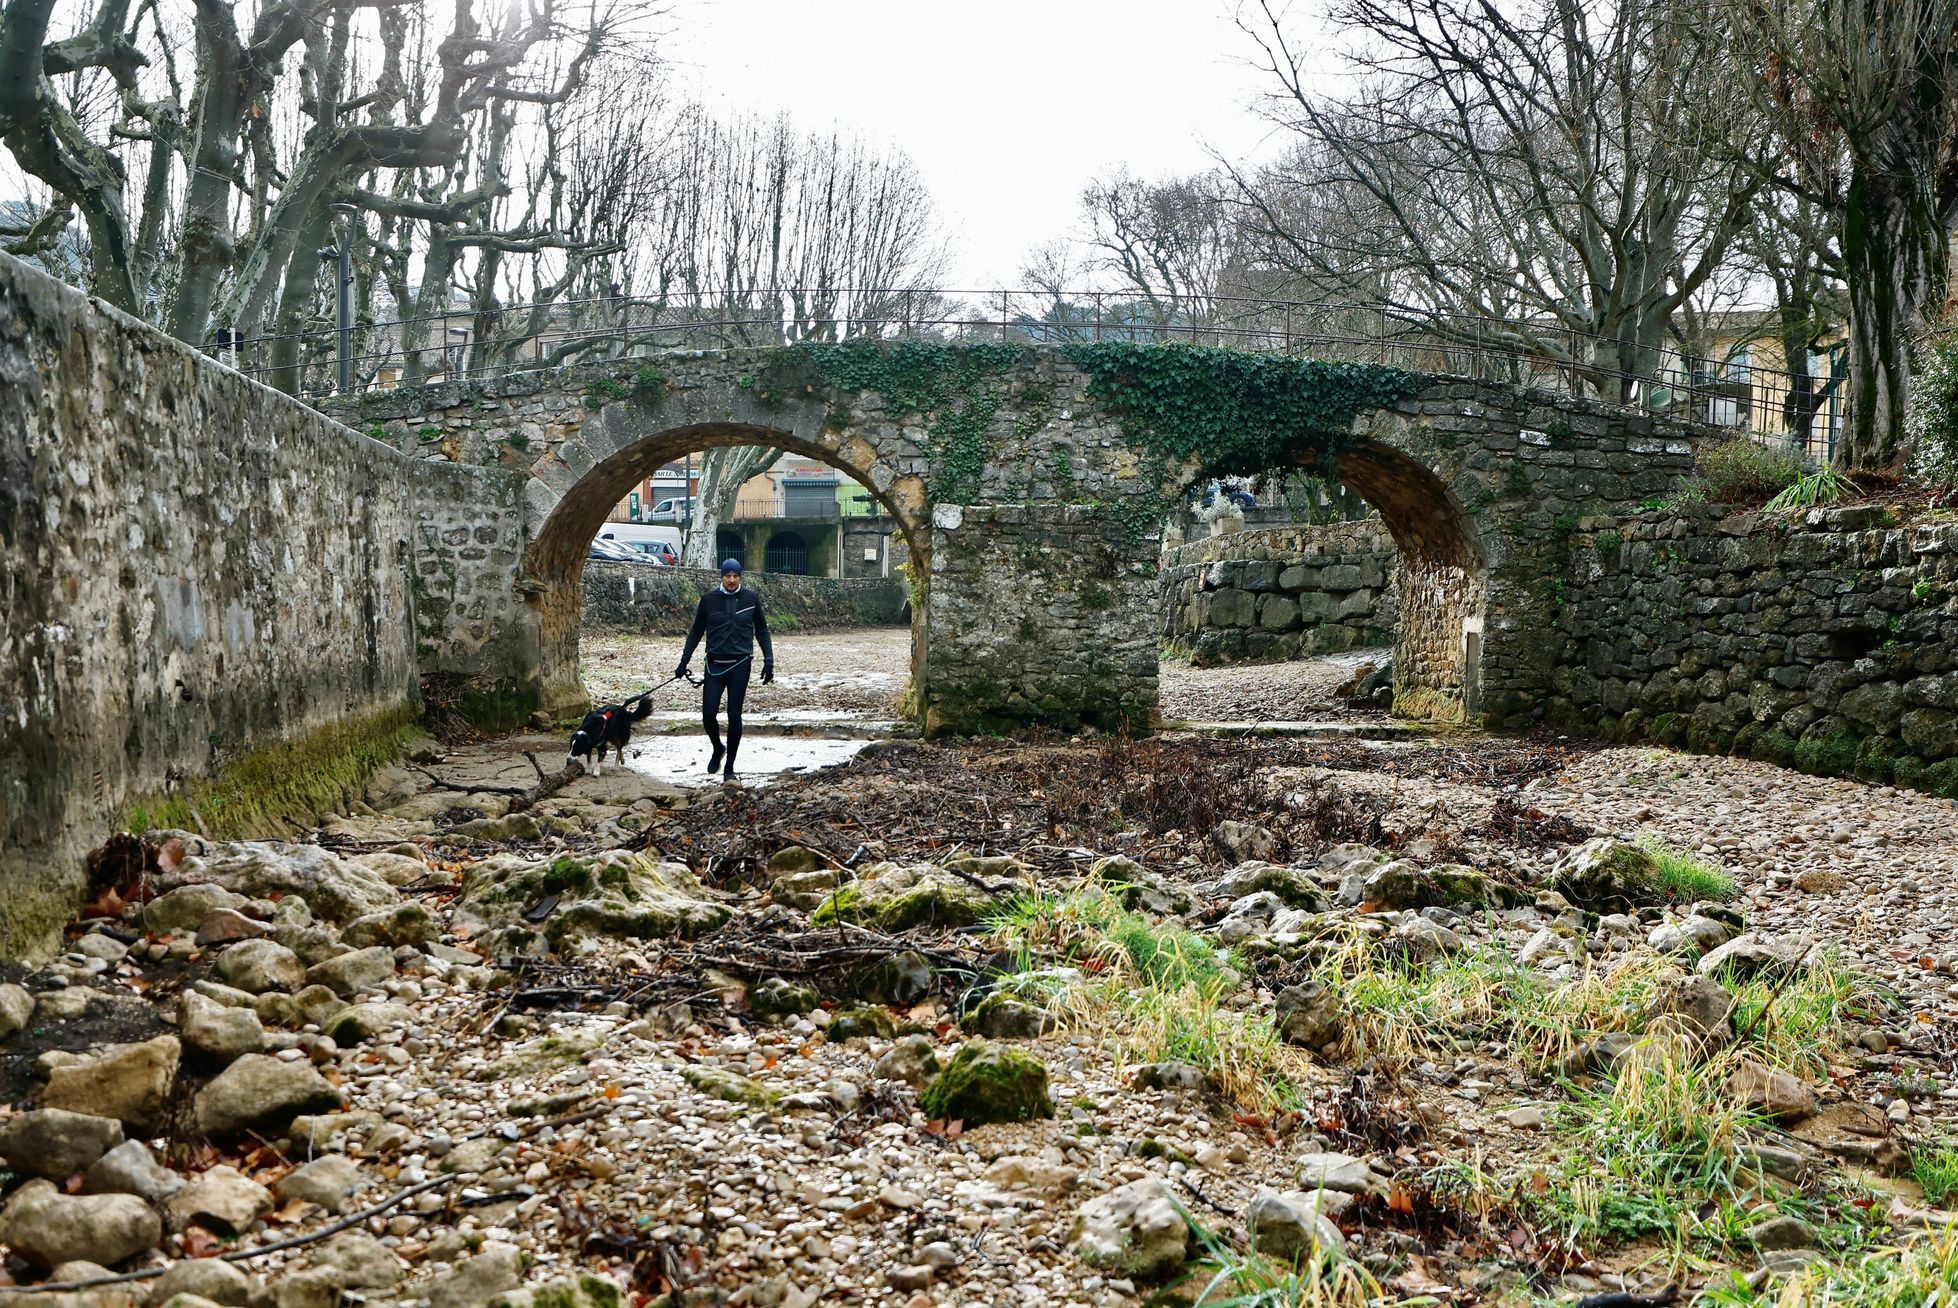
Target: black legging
734 681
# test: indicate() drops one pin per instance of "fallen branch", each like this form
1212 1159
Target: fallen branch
441 784
547 787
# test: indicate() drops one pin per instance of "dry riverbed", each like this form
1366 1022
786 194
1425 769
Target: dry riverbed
1420 1019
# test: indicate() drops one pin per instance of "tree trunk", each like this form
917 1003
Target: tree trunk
723 471
1894 261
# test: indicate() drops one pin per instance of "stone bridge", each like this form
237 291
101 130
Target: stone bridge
1026 481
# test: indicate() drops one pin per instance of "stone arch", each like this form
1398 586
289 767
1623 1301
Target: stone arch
554 565
1442 582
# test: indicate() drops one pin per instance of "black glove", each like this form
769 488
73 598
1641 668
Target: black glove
679 672
767 673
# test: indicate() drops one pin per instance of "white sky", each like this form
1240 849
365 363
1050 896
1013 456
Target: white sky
1007 106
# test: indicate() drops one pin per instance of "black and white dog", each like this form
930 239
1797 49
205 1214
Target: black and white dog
611 726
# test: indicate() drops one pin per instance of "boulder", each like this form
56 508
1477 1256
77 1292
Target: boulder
47 1228
1604 875
396 869
1309 1014
1294 1225
130 1083
902 978
1184 1077
334 888
227 926
1135 1230
211 1279
1292 887
1423 941
130 1168
1138 889
807 890
1690 937
1401 884
216 1033
1751 956
1005 1018
987 1083
1695 1007
1037 1175
1774 1094
859 1023
897 896
16 1009
259 966
313 942
1343 1172
222 1200
778 998
261 1093
1242 842
326 1181
1249 918
363 1262
910 1060
358 1023
313 1287
719 1083
186 907
404 924
499 1267
55 1143
1345 860
354 972
617 894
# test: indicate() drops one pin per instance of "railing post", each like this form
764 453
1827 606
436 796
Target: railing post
1097 315
1003 314
1288 326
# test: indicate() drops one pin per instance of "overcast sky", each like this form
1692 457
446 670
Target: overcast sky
1008 106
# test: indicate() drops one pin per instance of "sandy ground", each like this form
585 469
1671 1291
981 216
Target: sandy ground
861 674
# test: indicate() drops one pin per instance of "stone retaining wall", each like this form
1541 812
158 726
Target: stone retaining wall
1279 593
1826 640
197 573
621 597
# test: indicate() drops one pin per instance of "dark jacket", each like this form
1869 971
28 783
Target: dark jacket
732 624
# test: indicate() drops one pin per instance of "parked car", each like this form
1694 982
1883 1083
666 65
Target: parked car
663 541
610 551
673 510
659 551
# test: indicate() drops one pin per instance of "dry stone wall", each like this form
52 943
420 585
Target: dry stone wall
1279 593
194 571
1826 640
622 597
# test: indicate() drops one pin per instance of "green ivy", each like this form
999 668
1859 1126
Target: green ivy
600 389
958 387
1234 413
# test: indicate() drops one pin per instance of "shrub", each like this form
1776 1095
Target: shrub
1932 420
1740 471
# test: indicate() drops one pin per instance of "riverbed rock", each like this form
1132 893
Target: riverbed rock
894 897
55 1143
776 997
1752 956
262 1093
47 1228
130 1168
130 1083
259 966
215 1033
222 1200
1292 887
1137 1229
1138 889
987 1083
499 1267
334 888
210 1279
1771 1092
358 1023
355 972
1293 1225
1244 842
1003 1017
616 893
1343 1172
902 978
404 924
363 1262
186 907
326 1181
1695 1007
1309 1014
910 1059
16 1009
1604 875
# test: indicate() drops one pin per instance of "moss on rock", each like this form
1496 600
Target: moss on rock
987 1083
614 894
896 897
731 1086
855 1023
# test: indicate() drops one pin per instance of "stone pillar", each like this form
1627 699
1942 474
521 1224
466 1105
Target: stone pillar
1040 615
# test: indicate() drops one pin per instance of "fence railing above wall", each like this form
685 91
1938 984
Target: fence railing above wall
1768 404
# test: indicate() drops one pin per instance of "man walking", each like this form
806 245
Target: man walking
731 619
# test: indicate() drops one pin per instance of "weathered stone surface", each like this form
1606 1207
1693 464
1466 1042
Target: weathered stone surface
1607 876
910 1060
130 1083
1695 1007
363 1262
1243 841
217 1033
1774 1094
325 1181
616 893
335 889
1309 1014
1139 889
776 997
583 1290
1296 1224
895 897
499 1267
1003 1017
54 1143
211 1279
47 1228
1326 1171
261 965
358 1023
222 1199
1136 1230
225 926
186 907
130 1168
263 1093
355 972
404 924
988 1083
1750 956
16 1009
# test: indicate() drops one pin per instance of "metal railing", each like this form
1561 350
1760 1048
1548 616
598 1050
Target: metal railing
464 344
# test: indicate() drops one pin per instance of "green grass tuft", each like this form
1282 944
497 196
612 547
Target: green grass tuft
1935 1168
1683 877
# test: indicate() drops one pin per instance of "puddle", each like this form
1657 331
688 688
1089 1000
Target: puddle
682 760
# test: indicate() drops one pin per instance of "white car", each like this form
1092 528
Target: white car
673 510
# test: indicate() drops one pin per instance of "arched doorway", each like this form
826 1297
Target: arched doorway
788 553
555 562
729 544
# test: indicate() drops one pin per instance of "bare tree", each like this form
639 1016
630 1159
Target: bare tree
1536 177
1861 94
